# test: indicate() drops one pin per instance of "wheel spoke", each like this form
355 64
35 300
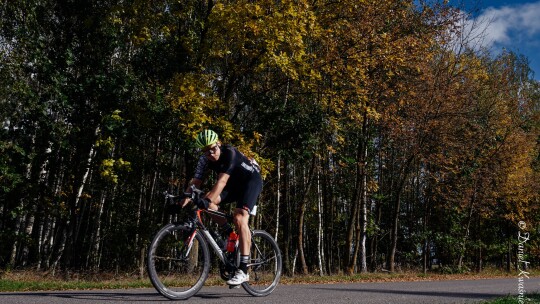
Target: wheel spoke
265 266
176 270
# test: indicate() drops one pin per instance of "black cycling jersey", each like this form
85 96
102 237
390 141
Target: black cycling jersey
245 182
231 161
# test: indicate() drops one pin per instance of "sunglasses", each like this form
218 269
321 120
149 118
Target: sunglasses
210 150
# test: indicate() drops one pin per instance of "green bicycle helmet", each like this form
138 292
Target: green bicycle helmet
206 138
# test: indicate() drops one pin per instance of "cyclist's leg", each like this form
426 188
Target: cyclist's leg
241 222
249 194
248 198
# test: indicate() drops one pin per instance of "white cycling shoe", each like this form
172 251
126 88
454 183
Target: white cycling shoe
239 278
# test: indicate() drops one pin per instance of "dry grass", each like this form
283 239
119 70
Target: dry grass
409 276
34 280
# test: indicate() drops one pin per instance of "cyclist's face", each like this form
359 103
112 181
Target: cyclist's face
212 152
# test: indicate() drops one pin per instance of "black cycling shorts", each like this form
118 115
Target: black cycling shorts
245 195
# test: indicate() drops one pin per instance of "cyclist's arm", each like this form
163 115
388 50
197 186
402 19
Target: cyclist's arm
198 177
218 188
197 183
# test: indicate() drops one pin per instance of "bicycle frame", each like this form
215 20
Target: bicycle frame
199 227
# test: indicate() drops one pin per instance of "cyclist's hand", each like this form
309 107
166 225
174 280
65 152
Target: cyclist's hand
184 202
203 203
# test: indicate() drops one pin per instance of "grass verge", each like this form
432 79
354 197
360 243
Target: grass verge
14 281
532 298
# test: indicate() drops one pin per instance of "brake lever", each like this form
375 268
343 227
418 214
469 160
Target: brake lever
195 193
167 195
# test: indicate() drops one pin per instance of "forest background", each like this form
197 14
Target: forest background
388 139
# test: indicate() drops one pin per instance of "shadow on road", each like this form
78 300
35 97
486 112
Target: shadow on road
92 295
114 296
449 294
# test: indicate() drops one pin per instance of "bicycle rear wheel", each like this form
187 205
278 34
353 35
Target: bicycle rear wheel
178 262
265 265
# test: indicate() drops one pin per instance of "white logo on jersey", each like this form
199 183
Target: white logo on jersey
247 167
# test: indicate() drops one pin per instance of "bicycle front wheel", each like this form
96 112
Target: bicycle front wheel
178 262
265 265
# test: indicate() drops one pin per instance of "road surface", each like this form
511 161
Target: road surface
458 291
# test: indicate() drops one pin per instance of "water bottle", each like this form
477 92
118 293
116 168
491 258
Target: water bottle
231 242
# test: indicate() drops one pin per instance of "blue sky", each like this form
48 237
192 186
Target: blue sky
512 25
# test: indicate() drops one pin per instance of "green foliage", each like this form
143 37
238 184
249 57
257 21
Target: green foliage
529 298
109 167
9 177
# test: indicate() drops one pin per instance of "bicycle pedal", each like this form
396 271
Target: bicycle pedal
234 286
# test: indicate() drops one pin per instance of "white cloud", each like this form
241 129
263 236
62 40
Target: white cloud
507 23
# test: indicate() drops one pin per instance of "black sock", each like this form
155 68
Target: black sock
244 260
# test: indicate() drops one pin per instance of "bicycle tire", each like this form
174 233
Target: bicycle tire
266 261
176 268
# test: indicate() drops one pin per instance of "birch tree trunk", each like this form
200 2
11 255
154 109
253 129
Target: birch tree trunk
320 234
71 228
278 198
300 244
466 232
356 220
48 241
362 233
301 216
21 218
395 213
30 219
394 233
95 260
363 223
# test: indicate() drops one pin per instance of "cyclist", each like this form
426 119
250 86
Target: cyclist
239 180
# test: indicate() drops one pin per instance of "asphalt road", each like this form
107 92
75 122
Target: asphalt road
459 291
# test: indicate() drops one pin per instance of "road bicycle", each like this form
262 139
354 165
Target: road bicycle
179 259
